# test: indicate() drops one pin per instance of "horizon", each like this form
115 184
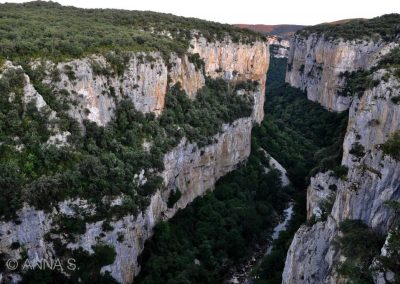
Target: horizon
299 13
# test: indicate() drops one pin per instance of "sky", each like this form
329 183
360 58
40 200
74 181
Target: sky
305 12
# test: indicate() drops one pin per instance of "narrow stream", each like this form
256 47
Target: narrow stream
242 275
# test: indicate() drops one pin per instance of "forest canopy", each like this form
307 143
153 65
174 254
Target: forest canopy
386 27
47 29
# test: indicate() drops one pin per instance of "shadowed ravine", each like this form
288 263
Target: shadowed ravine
243 274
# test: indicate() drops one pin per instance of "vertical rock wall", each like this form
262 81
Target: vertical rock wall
188 168
315 65
373 178
235 61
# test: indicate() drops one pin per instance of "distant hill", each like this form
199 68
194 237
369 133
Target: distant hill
283 31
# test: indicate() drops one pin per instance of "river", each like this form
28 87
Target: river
243 274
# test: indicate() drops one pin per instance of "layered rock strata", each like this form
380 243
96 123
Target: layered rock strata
192 170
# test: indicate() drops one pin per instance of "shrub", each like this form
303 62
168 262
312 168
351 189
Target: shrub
360 245
392 146
69 71
395 99
71 225
357 150
76 32
326 206
99 70
340 171
332 187
174 196
197 61
248 85
386 27
356 83
106 226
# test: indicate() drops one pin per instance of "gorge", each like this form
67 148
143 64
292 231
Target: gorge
151 148
350 215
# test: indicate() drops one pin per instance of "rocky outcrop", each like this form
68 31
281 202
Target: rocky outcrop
189 169
310 258
144 81
322 187
279 47
92 87
274 164
187 74
315 65
236 61
193 171
373 178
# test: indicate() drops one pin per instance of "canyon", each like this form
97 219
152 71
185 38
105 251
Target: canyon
188 168
111 137
316 64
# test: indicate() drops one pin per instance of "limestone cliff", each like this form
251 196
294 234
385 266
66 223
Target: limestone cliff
236 61
315 65
191 170
279 47
372 179
146 77
188 168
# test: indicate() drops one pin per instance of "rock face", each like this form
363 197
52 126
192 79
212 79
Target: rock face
191 170
144 81
373 178
235 61
145 78
188 168
279 47
315 65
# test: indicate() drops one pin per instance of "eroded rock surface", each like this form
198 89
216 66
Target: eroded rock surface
145 79
315 65
373 178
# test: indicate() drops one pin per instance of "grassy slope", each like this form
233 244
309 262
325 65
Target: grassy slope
283 31
386 27
44 29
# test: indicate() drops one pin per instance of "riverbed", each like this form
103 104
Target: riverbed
243 274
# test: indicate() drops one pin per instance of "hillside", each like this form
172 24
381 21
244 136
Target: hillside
47 29
352 231
283 31
111 121
386 27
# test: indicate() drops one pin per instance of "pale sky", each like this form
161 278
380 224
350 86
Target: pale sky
307 12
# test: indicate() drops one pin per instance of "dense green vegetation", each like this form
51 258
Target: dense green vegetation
391 261
386 27
362 248
357 82
98 164
300 134
204 241
305 139
392 146
47 29
103 161
391 61
202 118
360 245
81 267
218 231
